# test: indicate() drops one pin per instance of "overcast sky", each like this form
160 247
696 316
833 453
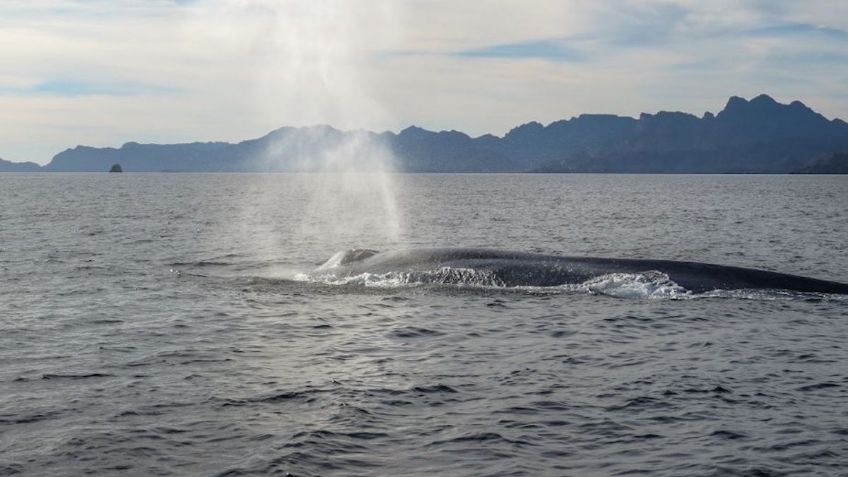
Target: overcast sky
104 72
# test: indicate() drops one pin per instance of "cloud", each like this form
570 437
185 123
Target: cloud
799 29
73 88
104 72
551 50
636 24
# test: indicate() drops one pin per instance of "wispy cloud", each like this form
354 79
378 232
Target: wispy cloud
799 29
551 50
640 24
73 88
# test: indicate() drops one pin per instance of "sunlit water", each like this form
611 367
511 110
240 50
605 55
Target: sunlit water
151 324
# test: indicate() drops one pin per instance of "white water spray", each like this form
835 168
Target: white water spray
310 65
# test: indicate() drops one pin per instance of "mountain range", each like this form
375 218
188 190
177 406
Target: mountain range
748 136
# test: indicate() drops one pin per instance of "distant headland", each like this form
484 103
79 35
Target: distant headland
748 136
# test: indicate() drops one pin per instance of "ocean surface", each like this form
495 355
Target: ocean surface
162 324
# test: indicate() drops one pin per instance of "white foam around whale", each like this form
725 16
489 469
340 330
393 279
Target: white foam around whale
650 284
439 276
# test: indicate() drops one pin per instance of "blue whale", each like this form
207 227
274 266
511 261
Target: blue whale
514 269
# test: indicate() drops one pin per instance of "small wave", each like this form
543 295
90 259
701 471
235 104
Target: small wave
436 388
413 332
728 435
201 263
481 438
815 387
7 419
306 396
11 469
77 376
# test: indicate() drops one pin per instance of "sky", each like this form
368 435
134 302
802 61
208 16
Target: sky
106 72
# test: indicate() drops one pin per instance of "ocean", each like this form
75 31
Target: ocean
163 324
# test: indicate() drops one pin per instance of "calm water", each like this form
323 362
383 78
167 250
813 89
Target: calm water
149 325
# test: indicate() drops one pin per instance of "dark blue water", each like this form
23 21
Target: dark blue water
152 324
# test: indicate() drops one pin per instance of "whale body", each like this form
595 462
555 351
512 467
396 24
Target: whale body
515 269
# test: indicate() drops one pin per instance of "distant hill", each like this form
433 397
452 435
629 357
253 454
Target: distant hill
756 136
835 164
8 166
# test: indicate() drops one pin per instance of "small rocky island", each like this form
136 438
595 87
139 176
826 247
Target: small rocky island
116 168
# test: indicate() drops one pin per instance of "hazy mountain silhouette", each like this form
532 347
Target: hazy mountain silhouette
756 136
835 164
8 166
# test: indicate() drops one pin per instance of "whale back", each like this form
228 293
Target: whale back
529 269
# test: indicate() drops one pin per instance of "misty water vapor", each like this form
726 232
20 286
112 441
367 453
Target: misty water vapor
308 71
